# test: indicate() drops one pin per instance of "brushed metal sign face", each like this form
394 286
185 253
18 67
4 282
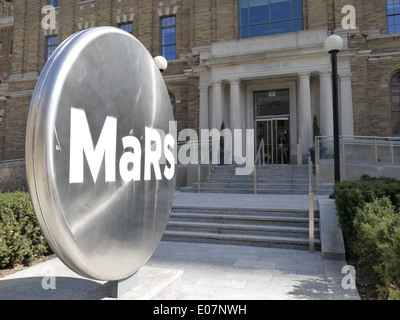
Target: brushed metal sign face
99 162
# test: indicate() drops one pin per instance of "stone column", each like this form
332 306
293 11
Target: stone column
235 105
204 112
326 104
216 112
304 113
346 105
235 111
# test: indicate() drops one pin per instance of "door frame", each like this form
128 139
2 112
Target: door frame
259 85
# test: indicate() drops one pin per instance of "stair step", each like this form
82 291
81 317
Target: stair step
251 191
235 228
300 221
240 239
230 184
237 211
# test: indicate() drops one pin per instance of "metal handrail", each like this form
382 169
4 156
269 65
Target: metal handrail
210 165
260 152
12 163
310 206
363 137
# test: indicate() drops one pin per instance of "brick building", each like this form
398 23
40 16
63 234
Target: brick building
248 63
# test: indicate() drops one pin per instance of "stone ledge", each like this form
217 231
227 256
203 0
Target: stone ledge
332 243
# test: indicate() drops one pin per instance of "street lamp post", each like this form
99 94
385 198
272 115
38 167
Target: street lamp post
333 45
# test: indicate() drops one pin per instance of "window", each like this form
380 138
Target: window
53 3
51 45
268 17
168 37
393 16
128 27
395 103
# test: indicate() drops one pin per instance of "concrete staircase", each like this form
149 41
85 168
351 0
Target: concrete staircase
242 226
283 179
231 221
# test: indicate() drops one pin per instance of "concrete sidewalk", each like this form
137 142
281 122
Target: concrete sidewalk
188 271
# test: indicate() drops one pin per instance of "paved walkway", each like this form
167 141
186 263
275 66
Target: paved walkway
208 271
236 272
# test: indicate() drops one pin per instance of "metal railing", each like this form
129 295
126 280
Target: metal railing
12 163
205 166
310 206
358 149
260 158
367 149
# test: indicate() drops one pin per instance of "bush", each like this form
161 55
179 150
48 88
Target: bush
351 195
21 239
377 245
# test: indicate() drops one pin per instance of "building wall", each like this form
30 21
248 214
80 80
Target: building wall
6 54
374 54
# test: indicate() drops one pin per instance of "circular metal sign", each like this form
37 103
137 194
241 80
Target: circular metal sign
100 158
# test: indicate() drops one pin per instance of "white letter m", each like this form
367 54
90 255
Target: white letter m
81 143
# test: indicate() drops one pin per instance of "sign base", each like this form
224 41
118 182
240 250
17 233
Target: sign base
119 288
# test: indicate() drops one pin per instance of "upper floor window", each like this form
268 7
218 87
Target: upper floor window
128 27
268 17
395 103
393 16
51 45
168 37
53 3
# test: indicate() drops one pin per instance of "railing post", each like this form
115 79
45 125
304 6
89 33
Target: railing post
391 148
255 178
317 157
198 177
376 151
299 153
263 152
311 208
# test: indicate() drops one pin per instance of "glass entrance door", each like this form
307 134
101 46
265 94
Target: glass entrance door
274 132
271 109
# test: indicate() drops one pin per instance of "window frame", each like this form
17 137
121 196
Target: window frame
270 22
161 38
126 24
394 15
392 85
47 46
